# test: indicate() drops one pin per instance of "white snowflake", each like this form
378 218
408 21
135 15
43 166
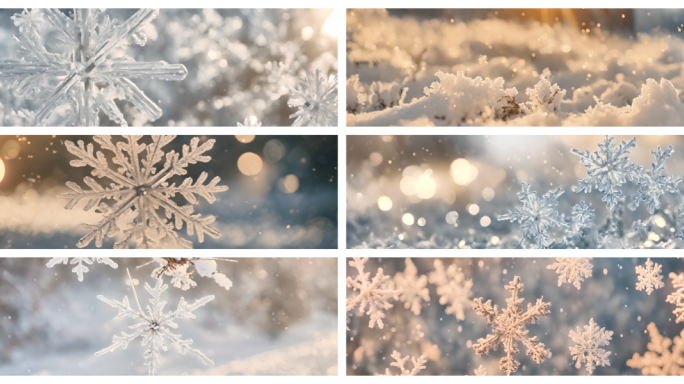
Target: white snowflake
413 287
659 360
250 122
677 297
480 371
80 269
418 365
649 276
375 294
587 349
453 288
510 327
608 169
316 99
572 270
89 77
177 269
154 325
654 184
536 215
138 187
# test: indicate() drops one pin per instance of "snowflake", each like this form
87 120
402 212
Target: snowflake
510 326
250 122
413 287
659 360
608 170
654 184
587 346
536 215
138 187
316 100
582 218
453 288
418 365
649 276
80 269
89 77
572 270
677 297
375 294
177 269
154 325
480 371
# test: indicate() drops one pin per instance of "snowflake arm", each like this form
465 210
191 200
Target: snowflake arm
608 170
587 349
480 371
453 288
536 215
413 287
652 185
510 327
677 297
418 365
317 101
81 269
374 294
649 276
572 270
659 360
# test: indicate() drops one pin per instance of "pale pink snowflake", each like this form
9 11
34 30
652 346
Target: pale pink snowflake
572 270
659 360
480 371
510 327
453 288
413 287
374 294
587 349
649 276
677 297
418 365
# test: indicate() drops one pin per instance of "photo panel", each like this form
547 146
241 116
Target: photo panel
166 191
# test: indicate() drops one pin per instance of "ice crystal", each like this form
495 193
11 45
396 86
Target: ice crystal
582 218
677 297
536 215
654 183
86 75
413 287
659 360
608 169
418 365
453 288
510 327
587 349
480 371
139 187
376 293
81 269
154 325
649 276
316 99
572 270
177 269
250 122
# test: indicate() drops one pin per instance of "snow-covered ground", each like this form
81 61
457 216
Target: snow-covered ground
52 324
421 69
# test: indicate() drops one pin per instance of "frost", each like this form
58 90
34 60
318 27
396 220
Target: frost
572 270
89 76
677 297
177 269
659 360
81 269
375 294
649 276
510 327
480 371
608 170
654 184
536 215
154 325
453 288
413 287
418 365
138 187
587 349
316 100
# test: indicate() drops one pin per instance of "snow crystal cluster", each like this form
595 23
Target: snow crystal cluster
570 75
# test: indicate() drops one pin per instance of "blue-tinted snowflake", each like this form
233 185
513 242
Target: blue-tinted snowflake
608 170
536 215
653 184
316 99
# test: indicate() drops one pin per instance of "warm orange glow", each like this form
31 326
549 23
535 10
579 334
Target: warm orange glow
2 170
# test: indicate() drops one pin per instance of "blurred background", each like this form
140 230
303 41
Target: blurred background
279 318
609 297
233 58
448 191
282 191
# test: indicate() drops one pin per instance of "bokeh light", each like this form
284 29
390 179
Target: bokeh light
408 219
463 172
289 184
245 138
250 164
274 150
384 203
